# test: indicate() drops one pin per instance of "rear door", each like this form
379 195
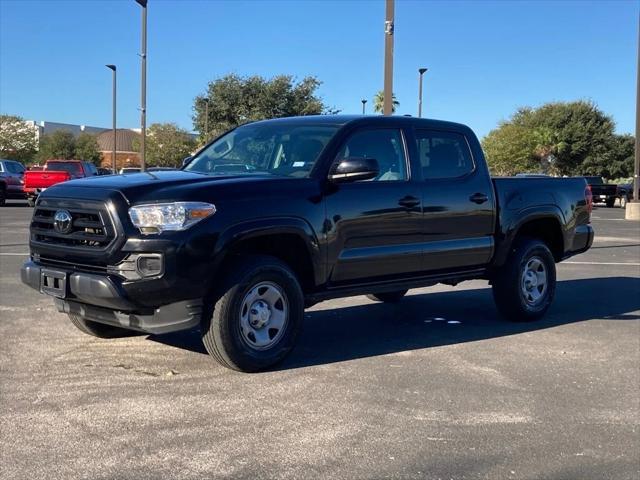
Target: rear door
458 201
374 226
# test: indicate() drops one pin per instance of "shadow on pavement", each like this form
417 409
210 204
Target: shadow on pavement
367 330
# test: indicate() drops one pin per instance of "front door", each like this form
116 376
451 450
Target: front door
375 225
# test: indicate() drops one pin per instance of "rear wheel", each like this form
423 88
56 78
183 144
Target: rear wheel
3 195
524 287
99 330
31 201
623 201
610 202
257 315
388 297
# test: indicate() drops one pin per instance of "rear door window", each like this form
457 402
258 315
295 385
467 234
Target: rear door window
443 154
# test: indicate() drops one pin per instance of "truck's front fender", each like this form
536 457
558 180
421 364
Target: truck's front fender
263 227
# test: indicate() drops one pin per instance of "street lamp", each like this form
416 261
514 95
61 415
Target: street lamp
363 104
113 155
206 119
421 72
387 108
143 92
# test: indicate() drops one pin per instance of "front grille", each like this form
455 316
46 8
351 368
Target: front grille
90 227
80 267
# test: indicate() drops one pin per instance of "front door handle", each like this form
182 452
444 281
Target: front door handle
409 201
478 198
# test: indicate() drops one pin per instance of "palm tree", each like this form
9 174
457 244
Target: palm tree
378 102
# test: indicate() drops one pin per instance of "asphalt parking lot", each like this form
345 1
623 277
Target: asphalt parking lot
435 387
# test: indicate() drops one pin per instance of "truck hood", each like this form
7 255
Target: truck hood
166 185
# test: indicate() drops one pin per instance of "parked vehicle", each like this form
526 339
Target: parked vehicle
331 206
11 180
54 172
602 192
625 193
104 171
126 170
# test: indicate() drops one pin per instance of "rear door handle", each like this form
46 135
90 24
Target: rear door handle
478 198
409 201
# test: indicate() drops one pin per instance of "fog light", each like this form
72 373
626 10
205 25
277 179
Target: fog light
150 265
138 266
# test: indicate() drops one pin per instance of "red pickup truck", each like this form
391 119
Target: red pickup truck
54 171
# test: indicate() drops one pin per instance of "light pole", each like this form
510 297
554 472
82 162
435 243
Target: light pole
113 155
387 108
636 168
206 119
632 210
364 101
143 92
421 72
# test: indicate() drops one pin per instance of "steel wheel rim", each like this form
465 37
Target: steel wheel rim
534 281
264 316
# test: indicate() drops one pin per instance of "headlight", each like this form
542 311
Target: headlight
160 217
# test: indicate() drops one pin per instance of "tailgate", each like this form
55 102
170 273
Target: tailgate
44 178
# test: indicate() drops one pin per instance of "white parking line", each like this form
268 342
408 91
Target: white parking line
631 264
15 254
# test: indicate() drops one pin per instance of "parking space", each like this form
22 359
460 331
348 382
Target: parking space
434 387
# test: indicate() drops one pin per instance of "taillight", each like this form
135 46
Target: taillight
588 196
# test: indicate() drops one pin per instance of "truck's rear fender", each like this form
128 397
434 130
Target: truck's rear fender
290 239
545 222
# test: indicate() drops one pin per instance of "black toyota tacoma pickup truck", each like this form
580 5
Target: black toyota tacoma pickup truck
277 215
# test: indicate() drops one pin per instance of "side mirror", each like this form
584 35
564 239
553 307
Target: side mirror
353 169
185 161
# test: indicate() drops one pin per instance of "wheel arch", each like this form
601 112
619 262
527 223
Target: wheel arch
290 239
547 225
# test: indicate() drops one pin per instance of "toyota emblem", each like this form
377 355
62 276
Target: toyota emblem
62 221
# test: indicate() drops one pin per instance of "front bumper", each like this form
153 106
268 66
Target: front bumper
100 299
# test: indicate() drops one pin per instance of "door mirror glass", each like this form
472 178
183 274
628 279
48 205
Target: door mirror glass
353 169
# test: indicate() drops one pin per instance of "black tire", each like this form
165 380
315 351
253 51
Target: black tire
222 333
610 202
31 201
388 297
509 284
3 195
99 330
623 201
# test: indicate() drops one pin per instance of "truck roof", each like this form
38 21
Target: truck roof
342 120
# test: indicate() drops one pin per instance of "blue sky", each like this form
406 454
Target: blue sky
485 58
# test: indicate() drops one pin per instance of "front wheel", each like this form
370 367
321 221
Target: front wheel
524 287
257 315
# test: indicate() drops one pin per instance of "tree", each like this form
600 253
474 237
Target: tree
510 149
57 145
17 139
560 138
378 102
234 100
167 145
86 148
616 161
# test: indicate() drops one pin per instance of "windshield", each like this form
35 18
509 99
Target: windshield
274 148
